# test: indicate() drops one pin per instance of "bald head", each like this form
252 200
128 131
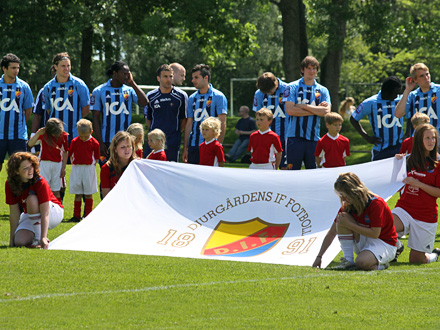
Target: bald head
179 74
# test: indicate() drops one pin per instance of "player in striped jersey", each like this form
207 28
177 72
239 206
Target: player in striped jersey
111 104
380 109
16 102
66 97
269 95
423 99
306 102
167 112
206 102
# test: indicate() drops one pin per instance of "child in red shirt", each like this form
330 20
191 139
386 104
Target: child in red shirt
53 154
137 131
156 141
417 120
210 150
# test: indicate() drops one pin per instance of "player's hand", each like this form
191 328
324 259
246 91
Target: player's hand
130 78
41 131
63 173
185 156
323 104
317 262
399 156
410 84
411 181
44 242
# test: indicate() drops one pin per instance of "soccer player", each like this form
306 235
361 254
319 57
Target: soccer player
206 102
264 144
84 153
380 109
423 99
179 74
167 111
211 151
364 223
112 102
305 101
25 188
16 102
270 95
333 147
121 154
417 120
416 211
66 97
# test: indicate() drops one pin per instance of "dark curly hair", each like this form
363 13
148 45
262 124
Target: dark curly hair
14 162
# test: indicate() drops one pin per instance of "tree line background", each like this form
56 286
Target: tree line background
358 42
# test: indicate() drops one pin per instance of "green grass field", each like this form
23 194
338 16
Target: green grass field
78 290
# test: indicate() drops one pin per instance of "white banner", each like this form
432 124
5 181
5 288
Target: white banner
182 210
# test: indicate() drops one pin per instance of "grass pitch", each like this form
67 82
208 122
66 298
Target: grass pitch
78 290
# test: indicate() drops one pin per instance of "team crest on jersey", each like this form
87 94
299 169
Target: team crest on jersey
280 99
71 91
433 99
243 239
126 95
208 103
286 92
317 95
92 100
17 93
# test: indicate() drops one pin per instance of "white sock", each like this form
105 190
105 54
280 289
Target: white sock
346 242
399 244
432 257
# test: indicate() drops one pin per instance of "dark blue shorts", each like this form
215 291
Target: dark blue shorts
299 150
385 153
11 146
193 155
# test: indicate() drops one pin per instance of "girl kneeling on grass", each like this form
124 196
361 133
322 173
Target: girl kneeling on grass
42 210
416 211
121 154
364 224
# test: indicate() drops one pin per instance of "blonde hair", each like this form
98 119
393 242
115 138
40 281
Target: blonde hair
265 112
333 117
84 126
212 123
419 118
415 67
114 158
136 130
354 190
158 135
345 105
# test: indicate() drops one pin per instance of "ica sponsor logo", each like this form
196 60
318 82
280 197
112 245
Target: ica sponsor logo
112 108
6 105
243 239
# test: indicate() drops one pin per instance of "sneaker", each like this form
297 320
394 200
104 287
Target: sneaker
344 265
398 253
74 219
437 252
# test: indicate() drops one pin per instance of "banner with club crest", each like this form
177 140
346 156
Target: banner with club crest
182 210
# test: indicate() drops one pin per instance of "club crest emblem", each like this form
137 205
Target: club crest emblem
244 239
433 99
126 95
70 91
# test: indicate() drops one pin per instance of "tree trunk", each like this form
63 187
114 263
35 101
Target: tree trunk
331 65
86 55
294 37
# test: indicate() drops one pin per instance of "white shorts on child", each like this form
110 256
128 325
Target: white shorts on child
383 252
83 180
51 172
56 215
266 166
421 235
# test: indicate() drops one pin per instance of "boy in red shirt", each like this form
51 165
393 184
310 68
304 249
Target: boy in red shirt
84 153
332 148
264 144
210 150
418 119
